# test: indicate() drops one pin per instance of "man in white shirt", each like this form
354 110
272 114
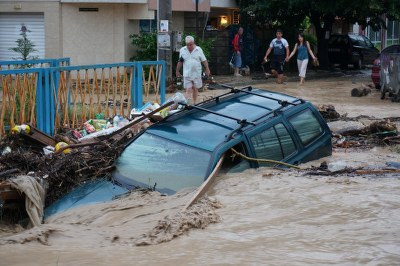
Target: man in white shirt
191 56
280 48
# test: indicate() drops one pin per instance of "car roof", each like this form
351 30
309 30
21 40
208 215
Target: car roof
395 48
205 130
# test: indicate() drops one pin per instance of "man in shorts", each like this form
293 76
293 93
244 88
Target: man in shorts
191 56
280 48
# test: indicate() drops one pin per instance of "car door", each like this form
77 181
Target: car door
272 142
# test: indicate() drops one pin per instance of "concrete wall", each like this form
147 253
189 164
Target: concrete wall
52 21
94 37
178 21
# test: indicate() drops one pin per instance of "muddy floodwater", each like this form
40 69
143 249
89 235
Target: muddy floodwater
260 216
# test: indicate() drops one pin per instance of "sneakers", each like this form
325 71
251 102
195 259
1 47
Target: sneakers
238 75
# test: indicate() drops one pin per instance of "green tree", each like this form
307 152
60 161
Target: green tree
24 46
289 14
146 44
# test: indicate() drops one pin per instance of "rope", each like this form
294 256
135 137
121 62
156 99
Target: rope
265 160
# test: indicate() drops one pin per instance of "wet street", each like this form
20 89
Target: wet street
260 216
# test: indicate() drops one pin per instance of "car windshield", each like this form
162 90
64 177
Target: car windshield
167 166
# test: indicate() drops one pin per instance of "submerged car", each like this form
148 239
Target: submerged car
182 150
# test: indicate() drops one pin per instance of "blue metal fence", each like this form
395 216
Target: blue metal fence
60 88
39 63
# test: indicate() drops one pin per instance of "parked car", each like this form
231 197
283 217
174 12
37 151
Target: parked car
352 49
389 72
182 150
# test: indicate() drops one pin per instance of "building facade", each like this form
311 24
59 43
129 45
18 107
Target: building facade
384 37
97 31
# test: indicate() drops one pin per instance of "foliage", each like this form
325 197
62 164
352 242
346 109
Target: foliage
206 44
146 44
290 14
24 46
311 39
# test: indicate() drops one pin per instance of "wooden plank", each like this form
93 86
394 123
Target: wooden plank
376 171
206 185
40 137
7 192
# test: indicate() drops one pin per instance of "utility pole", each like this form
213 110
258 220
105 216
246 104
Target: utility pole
164 47
197 18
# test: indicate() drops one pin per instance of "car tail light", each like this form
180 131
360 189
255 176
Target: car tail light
377 62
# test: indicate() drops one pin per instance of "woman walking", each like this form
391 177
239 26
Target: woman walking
237 50
303 48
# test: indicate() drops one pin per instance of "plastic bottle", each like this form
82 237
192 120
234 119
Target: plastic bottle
115 121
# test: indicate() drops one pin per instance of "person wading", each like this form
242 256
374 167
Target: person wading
303 48
280 48
191 56
237 49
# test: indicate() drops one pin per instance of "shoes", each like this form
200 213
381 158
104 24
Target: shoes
238 75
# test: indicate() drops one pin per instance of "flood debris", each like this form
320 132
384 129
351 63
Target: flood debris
199 215
328 112
361 91
340 168
383 132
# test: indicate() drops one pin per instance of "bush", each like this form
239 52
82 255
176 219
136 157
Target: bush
147 46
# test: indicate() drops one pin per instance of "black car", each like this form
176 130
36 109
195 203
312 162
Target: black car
352 49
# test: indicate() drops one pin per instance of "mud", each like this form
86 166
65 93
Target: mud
260 216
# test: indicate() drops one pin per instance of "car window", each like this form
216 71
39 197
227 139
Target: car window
285 139
154 162
266 145
307 126
369 43
361 40
354 40
274 143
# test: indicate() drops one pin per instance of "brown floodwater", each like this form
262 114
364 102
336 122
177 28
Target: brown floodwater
260 216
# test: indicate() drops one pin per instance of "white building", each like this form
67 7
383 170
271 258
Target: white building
93 31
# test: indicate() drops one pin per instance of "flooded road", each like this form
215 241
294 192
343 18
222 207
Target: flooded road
260 216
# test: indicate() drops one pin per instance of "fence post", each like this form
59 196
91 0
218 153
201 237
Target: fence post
139 86
48 127
162 89
39 100
133 86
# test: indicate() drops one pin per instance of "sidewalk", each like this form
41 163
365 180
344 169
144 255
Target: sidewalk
259 77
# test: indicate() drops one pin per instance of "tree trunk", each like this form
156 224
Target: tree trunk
323 34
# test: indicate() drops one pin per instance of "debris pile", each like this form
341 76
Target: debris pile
361 91
383 132
328 112
390 168
69 159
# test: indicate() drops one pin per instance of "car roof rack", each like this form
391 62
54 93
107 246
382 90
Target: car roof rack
248 90
241 122
238 120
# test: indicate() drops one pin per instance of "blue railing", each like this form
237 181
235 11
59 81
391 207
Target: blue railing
38 63
61 88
